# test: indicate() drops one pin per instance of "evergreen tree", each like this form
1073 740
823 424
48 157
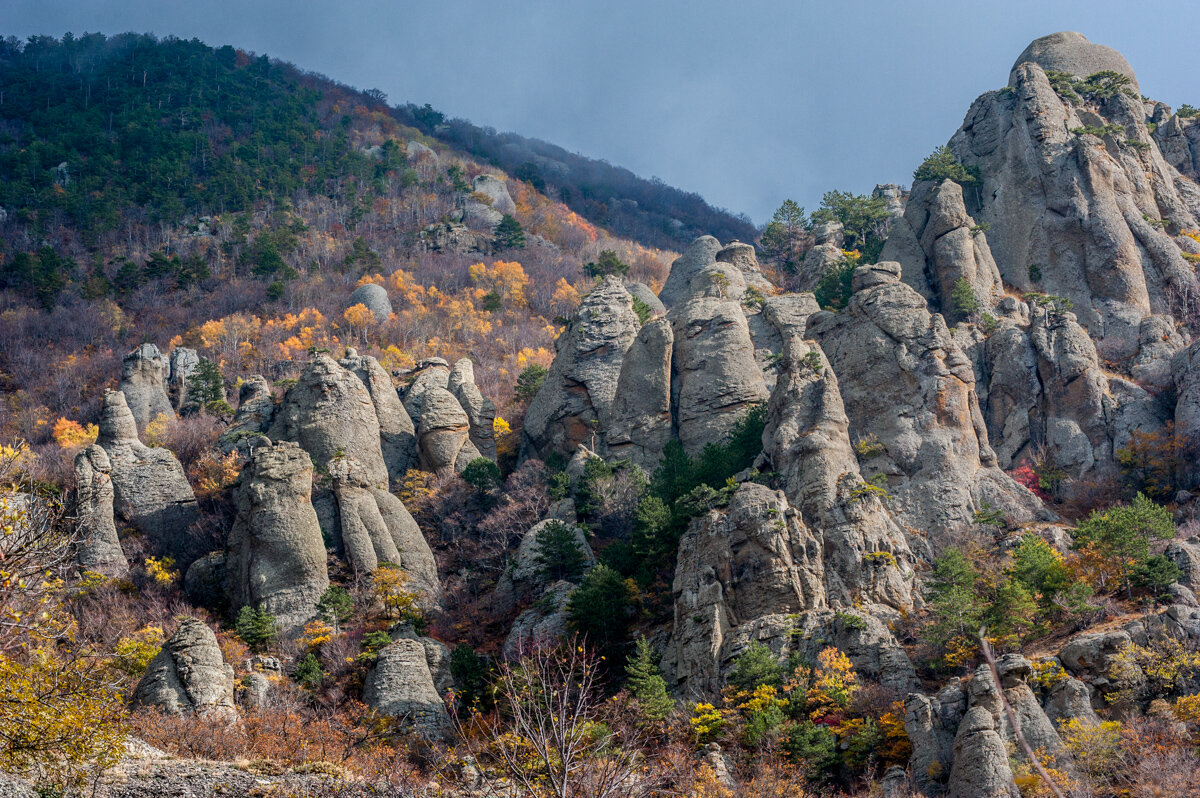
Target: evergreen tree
608 263
1122 533
1013 612
256 627
205 384
558 553
755 666
953 601
309 672
646 683
781 239
530 380
509 233
601 610
336 605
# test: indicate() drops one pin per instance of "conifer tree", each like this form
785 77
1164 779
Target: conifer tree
646 683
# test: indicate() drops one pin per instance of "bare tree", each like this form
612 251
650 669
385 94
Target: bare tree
553 735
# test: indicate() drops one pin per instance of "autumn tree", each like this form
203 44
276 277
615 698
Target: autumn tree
1121 534
784 234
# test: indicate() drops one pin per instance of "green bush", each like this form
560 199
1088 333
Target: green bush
942 165
336 605
255 627
371 643
1157 573
470 672
309 673
530 380
755 666
482 474
601 610
646 684
509 233
1122 533
608 263
964 299
835 286
558 553
814 748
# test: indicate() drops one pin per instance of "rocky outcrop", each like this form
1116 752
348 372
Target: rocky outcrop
255 412
99 548
188 675
182 364
481 411
374 297
1186 555
699 255
807 441
433 372
443 433
524 574
401 685
144 373
545 623
276 557
910 390
937 244
576 400
496 190
397 434
931 734
328 412
980 768
1073 54
1067 210
150 490
641 416
740 574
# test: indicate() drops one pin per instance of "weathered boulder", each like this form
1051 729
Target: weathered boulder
700 254
329 411
276 557
544 623
205 581
374 297
576 400
150 490
1158 343
188 675
255 411
496 190
401 685
433 372
1070 700
397 434
144 373
742 257
481 411
99 548
182 364
525 573
641 415
1072 53
932 743
735 567
443 432
817 261
807 441
1184 553
980 768
642 293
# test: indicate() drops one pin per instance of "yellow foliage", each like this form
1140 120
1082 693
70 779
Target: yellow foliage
707 723
565 297
359 317
393 359
896 747
1162 667
389 584
834 683
500 427
316 634
1096 748
414 487
157 430
506 278
133 654
69 434
214 473
59 718
959 651
1047 673
160 570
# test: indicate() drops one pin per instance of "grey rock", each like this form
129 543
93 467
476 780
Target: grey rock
255 412
980 768
150 490
495 189
182 364
545 623
276 557
1158 343
375 298
417 153
642 293
1072 53
205 581
817 261
1071 700
524 574
864 638
443 431
456 237
144 373
430 373
1186 555
833 233
575 402
401 685
99 548
700 254
641 416
481 411
932 743
397 434
743 257
188 675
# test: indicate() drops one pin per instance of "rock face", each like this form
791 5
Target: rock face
375 298
1072 53
188 675
740 572
524 575
401 685
496 190
1066 211
276 557
444 432
910 391
545 623
700 254
329 410
144 373
397 434
100 550
576 399
256 410
150 490
980 767
182 365
481 411
641 416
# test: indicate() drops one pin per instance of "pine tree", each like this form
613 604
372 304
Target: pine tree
646 683
509 233
558 553
953 601
256 627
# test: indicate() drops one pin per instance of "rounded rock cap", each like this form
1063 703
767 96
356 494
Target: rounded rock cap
1072 53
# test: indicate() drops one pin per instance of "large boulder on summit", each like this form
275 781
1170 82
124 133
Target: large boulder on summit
641 415
401 684
745 568
910 390
99 548
276 557
576 400
397 434
150 490
1067 211
329 411
374 297
255 412
700 254
431 373
938 244
1072 53
188 675
144 374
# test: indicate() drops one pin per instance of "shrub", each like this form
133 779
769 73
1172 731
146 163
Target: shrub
755 666
964 299
336 605
132 654
482 474
530 380
470 672
308 672
1150 460
1041 569
371 644
813 746
602 609
835 286
509 233
389 584
1157 573
646 684
558 553
1121 535
256 627
608 263
942 165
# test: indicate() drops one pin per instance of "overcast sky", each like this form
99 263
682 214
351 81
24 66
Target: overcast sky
745 103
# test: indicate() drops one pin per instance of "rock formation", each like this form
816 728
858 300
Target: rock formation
182 364
397 435
150 490
188 675
481 411
980 768
401 685
641 415
444 432
255 412
144 374
99 548
1073 54
374 297
276 556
